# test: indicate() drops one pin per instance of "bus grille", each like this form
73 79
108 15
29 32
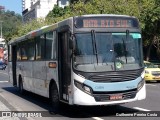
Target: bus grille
116 76
106 97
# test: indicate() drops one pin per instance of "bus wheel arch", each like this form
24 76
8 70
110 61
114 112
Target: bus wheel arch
54 95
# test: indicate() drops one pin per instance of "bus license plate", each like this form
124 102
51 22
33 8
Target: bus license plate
116 97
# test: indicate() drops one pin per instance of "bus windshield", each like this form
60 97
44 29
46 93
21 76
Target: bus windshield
107 52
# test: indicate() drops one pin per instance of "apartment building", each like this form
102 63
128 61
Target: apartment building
32 9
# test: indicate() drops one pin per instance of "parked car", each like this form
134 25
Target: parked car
2 65
152 72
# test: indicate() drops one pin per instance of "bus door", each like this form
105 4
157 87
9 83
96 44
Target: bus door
64 65
14 60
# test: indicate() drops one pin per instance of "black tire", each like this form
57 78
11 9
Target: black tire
54 96
20 88
158 81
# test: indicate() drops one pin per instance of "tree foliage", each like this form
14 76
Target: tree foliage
150 18
10 23
30 26
147 11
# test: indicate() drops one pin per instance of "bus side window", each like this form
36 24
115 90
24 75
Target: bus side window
51 45
40 47
31 49
9 53
18 53
54 44
24 56
38 51
24 51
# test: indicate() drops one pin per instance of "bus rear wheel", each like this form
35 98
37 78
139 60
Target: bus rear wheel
54 96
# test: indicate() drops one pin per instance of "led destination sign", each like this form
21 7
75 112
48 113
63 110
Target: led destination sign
106 22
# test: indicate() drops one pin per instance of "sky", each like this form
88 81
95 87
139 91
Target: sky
12 5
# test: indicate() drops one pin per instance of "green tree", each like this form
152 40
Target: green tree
29 26
56 12
10 24
147 11
151 19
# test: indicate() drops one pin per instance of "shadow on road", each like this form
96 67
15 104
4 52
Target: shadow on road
72 111
153 82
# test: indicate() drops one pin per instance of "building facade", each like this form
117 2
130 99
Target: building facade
33 9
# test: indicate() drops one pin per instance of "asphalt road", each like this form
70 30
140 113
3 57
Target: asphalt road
11 100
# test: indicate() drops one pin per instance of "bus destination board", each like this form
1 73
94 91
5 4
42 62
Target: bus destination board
106 22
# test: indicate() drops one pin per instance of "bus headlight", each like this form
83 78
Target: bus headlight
87 89
83 87
140 84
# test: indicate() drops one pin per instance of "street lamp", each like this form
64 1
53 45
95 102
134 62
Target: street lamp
1 28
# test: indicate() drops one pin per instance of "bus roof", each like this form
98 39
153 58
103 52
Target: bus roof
55 25
105 15
33 33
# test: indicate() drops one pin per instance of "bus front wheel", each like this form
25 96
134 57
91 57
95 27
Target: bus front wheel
54 96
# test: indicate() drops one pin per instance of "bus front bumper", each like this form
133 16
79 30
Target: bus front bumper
82 98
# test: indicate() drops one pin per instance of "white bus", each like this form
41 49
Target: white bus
84 60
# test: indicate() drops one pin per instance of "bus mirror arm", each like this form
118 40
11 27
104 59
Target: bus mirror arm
72 43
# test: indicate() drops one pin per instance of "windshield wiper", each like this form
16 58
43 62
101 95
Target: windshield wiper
124 45
94 45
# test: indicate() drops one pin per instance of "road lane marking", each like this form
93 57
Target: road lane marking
141 109
97 118
150 85
3 81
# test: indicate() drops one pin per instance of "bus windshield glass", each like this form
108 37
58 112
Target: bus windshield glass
107 52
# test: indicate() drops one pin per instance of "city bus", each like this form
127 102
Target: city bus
86 60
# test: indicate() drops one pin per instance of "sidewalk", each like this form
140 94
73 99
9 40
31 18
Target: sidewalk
5 113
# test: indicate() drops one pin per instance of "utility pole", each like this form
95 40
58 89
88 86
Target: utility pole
1 29
1 8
